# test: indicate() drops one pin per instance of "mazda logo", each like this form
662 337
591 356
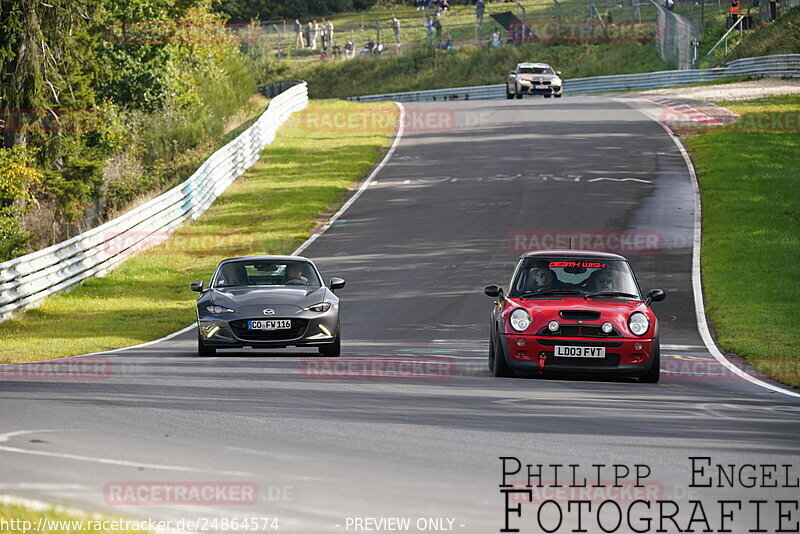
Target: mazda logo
269 311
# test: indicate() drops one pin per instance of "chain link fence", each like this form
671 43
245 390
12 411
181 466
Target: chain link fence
678 39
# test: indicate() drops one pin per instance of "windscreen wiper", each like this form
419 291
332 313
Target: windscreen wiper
551 292
611 294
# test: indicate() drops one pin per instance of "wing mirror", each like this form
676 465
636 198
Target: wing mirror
493 291
655 295
336 283
558 72
196 286
512 72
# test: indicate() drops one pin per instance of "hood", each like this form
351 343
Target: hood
537 77
238 298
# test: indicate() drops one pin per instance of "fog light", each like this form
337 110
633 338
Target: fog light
210 330
521 342
325 330
606 327
520 354
637 346
553 326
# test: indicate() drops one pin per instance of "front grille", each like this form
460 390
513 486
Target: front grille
542 82
611 360
297 330
578 330
579 315
578 343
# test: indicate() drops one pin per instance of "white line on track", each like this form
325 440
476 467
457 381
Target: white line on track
697 285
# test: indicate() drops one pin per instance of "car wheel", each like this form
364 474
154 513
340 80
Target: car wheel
203 349
557 95
546 96
654 373
509 95
332 350
519 95
501 368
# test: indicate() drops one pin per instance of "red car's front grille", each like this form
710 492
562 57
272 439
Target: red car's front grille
578 330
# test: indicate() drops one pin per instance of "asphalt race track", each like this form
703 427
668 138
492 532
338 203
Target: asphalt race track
470 185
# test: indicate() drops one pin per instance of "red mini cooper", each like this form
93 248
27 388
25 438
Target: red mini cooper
574 311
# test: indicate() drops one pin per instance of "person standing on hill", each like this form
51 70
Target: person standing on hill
480 8
314 34
298 34
396 29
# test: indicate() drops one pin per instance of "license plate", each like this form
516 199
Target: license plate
580 352
273 324
540 87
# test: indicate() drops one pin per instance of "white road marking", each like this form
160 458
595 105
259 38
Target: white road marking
697 285
620 180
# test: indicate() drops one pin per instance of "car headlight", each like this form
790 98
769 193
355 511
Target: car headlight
520 320
525 81
638 323
321 307
217 310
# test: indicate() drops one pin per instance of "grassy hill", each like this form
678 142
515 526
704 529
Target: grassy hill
780 37
424 68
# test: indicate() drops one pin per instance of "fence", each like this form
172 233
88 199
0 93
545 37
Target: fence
778 66
675 37
27 280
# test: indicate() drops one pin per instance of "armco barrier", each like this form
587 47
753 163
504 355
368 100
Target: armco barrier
780 66
26 280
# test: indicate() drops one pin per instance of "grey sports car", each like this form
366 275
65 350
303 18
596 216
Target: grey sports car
267 302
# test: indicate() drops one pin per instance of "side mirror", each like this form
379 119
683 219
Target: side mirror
197 286
558 72
493 291
512 72
336 283
655 295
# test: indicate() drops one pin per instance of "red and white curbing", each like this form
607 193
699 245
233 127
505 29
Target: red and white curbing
681 114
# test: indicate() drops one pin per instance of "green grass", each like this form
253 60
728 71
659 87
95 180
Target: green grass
69 523
303 174
750 186
779 37
436 69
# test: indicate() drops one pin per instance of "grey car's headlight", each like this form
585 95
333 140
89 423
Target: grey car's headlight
520 320
638 323
217 310
321 307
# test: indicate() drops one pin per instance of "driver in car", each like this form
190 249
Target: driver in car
543 279
602 281
294 275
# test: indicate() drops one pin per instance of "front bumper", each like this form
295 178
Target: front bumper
530 89
308 329
536 353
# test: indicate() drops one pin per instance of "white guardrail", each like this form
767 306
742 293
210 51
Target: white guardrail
780 66
27 280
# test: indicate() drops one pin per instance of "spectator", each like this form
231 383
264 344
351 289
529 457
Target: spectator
329 31
428 29
324 34
437 25
298 34
309 29
349 49
445 6
396 29
314 34
480 8
337 51
495 41
669 4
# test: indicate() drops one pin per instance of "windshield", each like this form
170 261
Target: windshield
535 70
265 273
585 277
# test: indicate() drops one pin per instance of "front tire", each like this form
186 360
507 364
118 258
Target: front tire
331 350
546 96
557 95
204 350
654 373
501 368
509 95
